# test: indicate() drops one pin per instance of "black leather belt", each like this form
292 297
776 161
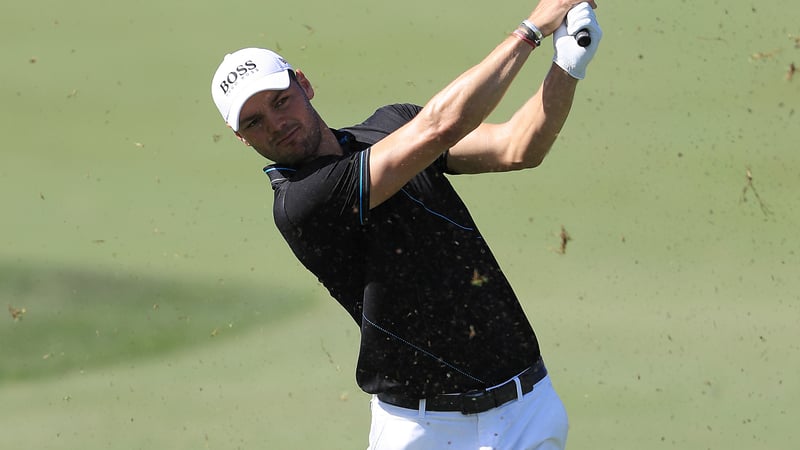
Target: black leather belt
475 401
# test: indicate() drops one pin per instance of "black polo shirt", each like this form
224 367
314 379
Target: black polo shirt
436 313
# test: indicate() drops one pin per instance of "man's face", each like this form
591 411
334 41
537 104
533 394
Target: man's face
282 125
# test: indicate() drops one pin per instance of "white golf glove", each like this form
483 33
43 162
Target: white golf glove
569 55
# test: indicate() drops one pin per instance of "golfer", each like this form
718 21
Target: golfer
446 349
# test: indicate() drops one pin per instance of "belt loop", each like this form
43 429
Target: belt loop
422 403
519 388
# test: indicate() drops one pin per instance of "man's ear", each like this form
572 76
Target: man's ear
302 80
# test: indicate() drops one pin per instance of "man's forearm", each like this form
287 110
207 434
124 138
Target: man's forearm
450 115
460 109
535 127
466 102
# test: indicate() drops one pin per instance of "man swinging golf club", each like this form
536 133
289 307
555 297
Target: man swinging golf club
446 349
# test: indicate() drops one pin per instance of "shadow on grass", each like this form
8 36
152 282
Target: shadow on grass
62 319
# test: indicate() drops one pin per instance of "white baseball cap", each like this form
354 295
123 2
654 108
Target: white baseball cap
244 73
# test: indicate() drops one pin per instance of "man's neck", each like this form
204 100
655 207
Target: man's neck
329 145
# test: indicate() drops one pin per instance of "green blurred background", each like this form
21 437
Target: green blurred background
162 310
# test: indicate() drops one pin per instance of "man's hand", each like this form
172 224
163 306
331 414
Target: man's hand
568 54
549 14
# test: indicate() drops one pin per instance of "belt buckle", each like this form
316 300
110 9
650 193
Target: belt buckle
471 401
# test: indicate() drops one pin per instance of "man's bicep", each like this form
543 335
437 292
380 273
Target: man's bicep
483 150
416 145
399 157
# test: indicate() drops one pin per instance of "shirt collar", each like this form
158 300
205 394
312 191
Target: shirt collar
279 173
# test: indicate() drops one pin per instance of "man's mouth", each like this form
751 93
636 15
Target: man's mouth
286 137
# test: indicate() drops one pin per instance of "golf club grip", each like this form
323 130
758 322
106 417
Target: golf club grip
584 38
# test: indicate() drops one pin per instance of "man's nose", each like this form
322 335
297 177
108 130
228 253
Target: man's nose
274 122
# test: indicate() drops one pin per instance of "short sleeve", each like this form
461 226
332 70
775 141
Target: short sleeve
330 191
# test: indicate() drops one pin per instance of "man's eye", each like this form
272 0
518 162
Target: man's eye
252 123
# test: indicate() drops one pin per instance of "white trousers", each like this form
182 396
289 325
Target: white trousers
538 421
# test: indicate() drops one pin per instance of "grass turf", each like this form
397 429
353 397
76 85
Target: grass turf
669 322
